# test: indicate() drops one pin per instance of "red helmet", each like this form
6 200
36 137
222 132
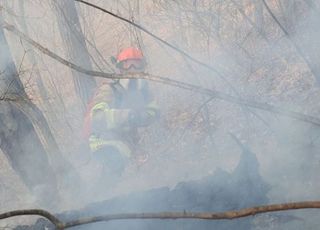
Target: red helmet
130 53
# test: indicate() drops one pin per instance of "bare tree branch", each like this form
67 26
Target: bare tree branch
233 214
171 82
185 54
296 46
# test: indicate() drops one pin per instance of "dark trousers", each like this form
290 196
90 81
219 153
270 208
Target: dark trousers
112 160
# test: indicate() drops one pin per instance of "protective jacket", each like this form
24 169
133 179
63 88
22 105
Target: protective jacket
116 112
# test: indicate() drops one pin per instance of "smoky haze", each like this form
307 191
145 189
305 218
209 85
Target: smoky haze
196 137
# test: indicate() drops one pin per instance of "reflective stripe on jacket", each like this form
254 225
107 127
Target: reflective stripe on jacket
98 143
109 113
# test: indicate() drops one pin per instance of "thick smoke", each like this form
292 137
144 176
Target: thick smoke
218 155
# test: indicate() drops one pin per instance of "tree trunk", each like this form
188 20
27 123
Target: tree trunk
19 140
31 55
74 41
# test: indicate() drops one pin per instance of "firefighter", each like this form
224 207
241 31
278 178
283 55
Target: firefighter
116 113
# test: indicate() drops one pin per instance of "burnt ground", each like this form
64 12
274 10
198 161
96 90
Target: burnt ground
222 191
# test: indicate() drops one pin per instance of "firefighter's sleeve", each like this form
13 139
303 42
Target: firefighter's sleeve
111 118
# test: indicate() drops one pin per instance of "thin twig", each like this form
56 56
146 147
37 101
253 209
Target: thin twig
171 82
185 54
296 46
174 143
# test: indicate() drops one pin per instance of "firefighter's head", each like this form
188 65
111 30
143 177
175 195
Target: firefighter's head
130 60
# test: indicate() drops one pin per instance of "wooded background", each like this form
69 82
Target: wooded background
264 51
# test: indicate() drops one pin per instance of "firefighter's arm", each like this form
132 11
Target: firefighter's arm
116 118
145 116
112 118
149 113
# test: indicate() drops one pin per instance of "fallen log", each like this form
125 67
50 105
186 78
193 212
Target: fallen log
221 192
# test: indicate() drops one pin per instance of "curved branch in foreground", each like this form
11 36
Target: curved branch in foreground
168 81
36 212
197 215
234 214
